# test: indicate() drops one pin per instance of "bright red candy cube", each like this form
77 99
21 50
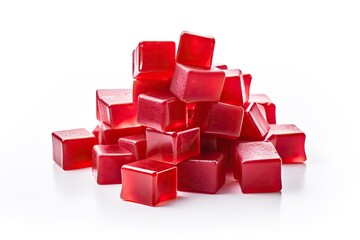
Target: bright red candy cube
219 119
268 105
257 167
141 86
117 110
136 144
172 147
255 127
204 173
100 93
148 182
161 111
195 50
234 90
191 84
109 136
72 148
247 82
107 163
154 60
290 142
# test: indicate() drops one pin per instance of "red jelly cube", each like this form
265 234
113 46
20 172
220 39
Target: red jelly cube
204 173
101 93
208 143
290 142
154 60
148 182
219 119
172 147
220 66
258 167
191 84
161 111
96 133
72 148
107 163
136 144
268 105
255 127
234 90
109 136
195 50
247 82
118 110
147 86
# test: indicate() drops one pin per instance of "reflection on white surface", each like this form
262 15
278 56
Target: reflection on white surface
293 177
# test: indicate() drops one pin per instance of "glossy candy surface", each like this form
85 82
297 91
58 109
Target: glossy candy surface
109 136
148 182
233 91
255 127
136 144
247 83
140 86
268 105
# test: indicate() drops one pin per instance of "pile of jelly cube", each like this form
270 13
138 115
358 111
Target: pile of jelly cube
185 122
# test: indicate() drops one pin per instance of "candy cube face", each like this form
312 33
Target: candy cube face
268 105
195 50
107 163
148 182
247 82
136 144
72 148
219 119
204 173
172 147
96 133
109 136
290 142
161 111
258 167
154 60
255 127
191 84
100 93
117 110
140 86
234 90
208 143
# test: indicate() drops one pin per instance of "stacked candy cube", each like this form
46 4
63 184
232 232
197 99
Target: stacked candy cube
184 122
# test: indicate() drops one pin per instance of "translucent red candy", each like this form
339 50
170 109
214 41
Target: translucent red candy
148 182
108 136
247 83
145 86
107 163
204 173
161 111
72 148
257 167
136 144
233 91
255 127
267 104
154 60
289 143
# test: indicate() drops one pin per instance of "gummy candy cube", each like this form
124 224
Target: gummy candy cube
269 106
191 84
107 163
148 182
109 136
234 90
208 143
161 111
140 87
255 127
195 50
204 173
72 148
290 142
101 93
154 60
219 119
118 110
96 133
247 82
136 144
258 167
172 147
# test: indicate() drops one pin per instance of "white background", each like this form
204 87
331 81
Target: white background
55 54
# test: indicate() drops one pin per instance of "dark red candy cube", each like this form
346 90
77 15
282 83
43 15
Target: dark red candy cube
191 84
208 143
204 173
258 167
118 110
220 66
172 147
195 50
154 60
290 142
219 119
267 104
247 82
255 127
136 144
148 182
141 86
109 136
72 148
100 93
234 90
161 111
107 163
